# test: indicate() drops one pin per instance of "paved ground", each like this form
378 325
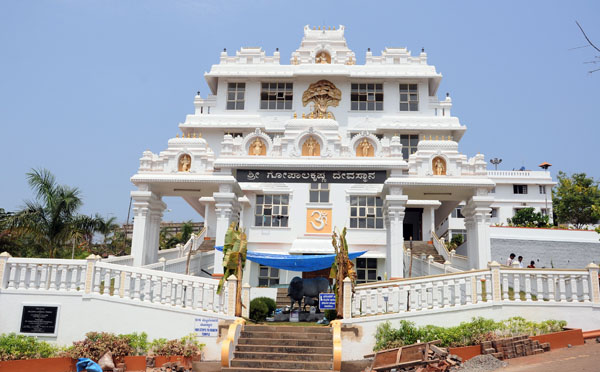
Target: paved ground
585 358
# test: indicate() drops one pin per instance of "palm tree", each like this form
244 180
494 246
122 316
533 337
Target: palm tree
51 220
106 227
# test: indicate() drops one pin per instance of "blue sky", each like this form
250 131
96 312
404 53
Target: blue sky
86 86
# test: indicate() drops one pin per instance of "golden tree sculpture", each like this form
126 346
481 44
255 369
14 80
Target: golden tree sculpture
323 94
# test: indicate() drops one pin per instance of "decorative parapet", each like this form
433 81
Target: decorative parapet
189 154
249 56
396 56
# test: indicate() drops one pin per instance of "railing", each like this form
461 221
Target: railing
44 274
199 261
178 251
425 266
498 284
91 277
120 260
171 253
456 260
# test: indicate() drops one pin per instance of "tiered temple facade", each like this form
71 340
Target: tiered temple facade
292 151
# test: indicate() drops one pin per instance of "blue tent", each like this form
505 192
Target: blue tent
291 262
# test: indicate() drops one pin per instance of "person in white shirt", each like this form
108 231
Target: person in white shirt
521 264
510 259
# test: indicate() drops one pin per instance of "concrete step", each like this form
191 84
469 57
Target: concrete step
419 248
284 356
321 336
287 329
283 364
282 299
277 349
207 245
284 342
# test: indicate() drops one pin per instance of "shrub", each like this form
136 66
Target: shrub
331 315
96 344
269 302
13 347
528 217
258 310
187 346
466 333
138 342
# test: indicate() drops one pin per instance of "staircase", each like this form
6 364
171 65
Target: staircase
419 248
207 245
283 349
282 299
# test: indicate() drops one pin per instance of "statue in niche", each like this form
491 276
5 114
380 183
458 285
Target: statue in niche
439 166
322 94
323 57
311 147
365 148
257 148
185 163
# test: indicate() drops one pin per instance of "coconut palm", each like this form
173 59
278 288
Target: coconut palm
51 220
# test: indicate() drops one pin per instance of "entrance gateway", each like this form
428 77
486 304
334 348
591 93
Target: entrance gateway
292 151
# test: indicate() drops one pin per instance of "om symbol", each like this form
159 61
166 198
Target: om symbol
321 219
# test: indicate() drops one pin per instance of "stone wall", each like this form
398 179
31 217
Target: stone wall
558 254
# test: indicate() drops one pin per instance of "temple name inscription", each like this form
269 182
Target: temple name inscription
251 175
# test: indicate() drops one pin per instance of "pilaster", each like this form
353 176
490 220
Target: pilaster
226 208
394 207
147 209
477 222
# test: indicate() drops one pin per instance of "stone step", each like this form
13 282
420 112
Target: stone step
243 369
207 245
310 357
419 248
283 364
284 342
289 336
276 349
287 329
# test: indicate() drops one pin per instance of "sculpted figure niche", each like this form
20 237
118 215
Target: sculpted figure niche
439 166
323 94
323 57
311 147
365 148
185 163
257 148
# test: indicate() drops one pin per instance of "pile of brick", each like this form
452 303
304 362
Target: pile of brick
513 347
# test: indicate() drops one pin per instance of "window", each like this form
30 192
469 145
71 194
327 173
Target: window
271 210
235 134
493 190
319 193
409 144
542 189
235 96
409 97
366 212
457 213
366 270
519 189
276 96
494 212
267 276
454 233
366 97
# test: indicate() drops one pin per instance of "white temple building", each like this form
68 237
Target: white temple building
292 151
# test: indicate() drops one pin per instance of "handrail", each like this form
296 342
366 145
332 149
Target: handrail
337 345
156 273
229 344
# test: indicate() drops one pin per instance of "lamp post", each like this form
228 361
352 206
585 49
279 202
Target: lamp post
495 161
545 167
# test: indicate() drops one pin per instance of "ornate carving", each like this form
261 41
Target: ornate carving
257 148
323 94
323 57
311 147
185 163
365 148
438 166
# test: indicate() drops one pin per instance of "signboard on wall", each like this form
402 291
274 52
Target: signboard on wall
39 319
326 301
290 176
206 327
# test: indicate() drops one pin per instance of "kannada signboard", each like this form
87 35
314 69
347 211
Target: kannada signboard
326 176
39 319
206 327
326 301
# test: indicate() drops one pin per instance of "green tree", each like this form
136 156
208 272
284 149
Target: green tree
167 240
51 221
528 217
576 199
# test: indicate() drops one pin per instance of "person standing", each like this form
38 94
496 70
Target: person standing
521 265
531 265
510 259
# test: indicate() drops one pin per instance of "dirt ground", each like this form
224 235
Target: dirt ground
584 358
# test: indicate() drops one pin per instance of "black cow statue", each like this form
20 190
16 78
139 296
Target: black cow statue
304 289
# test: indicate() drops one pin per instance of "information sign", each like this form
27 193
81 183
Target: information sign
327 301
206 327
39 319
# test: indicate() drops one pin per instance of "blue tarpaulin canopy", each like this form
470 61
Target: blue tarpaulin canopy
291 262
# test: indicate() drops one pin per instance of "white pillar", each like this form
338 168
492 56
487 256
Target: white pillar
147 211
477 221
226 211
395 204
